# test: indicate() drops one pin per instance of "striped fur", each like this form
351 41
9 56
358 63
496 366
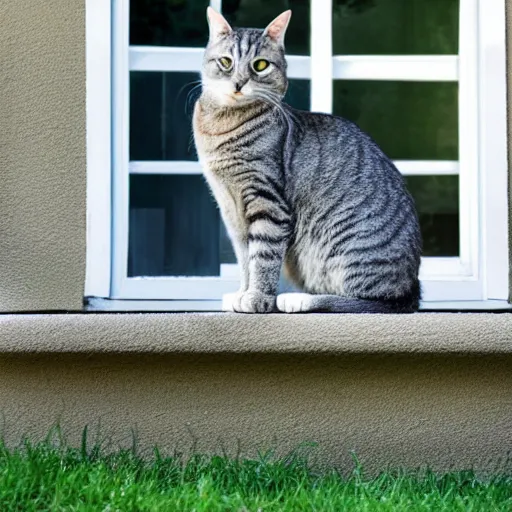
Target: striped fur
307 191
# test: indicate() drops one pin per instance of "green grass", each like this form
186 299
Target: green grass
44 477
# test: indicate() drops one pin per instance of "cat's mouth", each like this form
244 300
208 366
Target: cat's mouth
234 98
237 98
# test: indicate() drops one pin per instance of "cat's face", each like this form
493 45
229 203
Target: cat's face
244 65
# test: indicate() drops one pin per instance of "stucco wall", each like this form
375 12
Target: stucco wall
404 411
444 412
42 154
215 384
509 118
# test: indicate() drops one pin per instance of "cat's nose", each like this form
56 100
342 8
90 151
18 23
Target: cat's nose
239 82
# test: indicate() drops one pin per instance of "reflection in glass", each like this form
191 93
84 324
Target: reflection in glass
183 23
437 202
409 120
259 13
227 254
395 27
298 94
168 22
175 228
161 107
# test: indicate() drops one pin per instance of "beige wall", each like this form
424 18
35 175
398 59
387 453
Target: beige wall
42 154
427 389
445 412
509 114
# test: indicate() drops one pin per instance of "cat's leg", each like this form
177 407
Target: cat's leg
268 232
263 270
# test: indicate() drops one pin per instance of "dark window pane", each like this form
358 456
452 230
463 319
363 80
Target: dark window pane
409 120
168 22
161 106
227 254
259 13
395 27
437 202
174 227
298 94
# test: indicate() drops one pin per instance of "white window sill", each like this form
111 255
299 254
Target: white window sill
97 304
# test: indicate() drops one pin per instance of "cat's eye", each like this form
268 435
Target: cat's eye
260 65
225 62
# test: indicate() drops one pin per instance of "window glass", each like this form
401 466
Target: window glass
409 120
395 27
259 13
437 203
168 22
161 107
298 94
183 22
174 227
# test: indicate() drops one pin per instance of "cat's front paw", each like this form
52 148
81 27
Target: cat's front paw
294 302
248 302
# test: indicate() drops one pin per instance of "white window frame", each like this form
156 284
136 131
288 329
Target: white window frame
481 270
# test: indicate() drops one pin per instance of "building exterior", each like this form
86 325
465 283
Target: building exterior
87 88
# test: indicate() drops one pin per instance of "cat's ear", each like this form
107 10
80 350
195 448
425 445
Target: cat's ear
277 28
218 25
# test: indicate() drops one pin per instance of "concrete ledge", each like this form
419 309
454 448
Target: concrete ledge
409 391
217 333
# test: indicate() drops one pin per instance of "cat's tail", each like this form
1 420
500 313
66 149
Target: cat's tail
307 303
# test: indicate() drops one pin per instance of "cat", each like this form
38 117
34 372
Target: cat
307 192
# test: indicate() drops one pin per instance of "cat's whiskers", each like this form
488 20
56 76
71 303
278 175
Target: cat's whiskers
189 97
274 99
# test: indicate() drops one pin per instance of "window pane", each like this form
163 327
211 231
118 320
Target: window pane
174 227
259 13
161 106
227 254
298 94
168 22
395 27
437 202
409 120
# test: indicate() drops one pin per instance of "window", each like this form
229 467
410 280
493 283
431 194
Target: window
425 78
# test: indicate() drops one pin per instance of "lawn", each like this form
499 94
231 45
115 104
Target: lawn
44 477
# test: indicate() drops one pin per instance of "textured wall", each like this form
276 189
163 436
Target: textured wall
509 114
450 412
42 154
430 389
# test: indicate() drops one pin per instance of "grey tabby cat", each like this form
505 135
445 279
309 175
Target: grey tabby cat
307 191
